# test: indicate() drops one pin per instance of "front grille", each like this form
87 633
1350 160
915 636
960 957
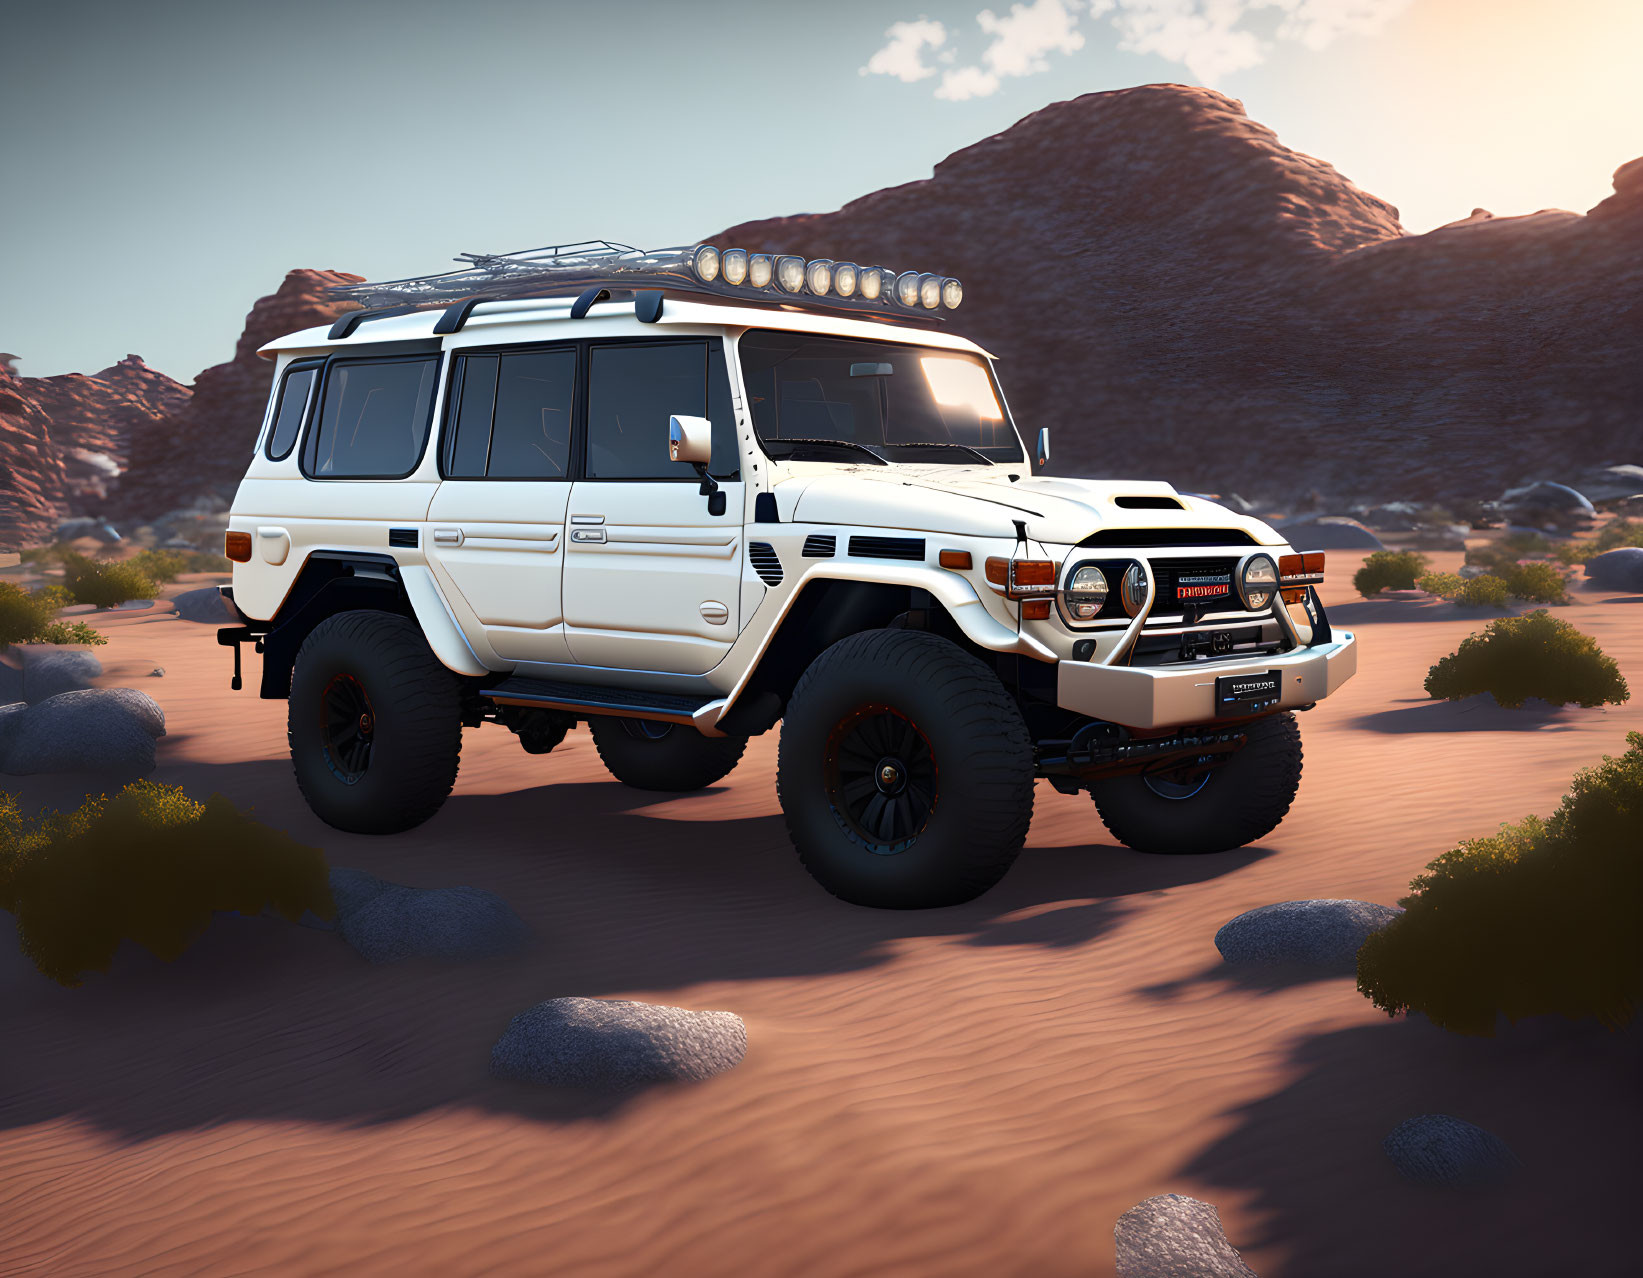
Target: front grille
887 547
820 546
766 562
1204 574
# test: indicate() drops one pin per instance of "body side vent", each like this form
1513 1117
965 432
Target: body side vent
820 546
887 547
762 555
403 537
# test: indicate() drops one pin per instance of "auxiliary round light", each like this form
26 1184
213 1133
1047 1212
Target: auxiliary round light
871 282
929 291
952 293
1257 581
845 278
759 270
907 288
1086 593
790 273
1134 589
706 263
733 266
818 276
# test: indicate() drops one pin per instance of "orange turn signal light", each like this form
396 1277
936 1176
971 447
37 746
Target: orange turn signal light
237 546
1021 578
1297 572
1035 610
959 559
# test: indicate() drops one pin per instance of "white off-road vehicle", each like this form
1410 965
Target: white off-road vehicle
686 496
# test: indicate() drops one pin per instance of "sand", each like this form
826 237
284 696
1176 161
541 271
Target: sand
980 1090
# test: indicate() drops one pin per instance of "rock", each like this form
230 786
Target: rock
1616 569
157 673
205 604
95 730
1436 1149
1605 484
1322 934
615 1044
49 670
1394 516
11 684
443 923
1628 506
1173 1236
97 529
1440 537
1329 532
353 889
1546 504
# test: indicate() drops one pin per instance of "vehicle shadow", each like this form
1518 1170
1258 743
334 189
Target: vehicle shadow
1481 713
624 895
1306 1159
1361 612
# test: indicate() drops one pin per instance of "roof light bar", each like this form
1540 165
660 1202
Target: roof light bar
570 269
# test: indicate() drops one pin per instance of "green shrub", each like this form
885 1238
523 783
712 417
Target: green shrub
1620 533
1544 917
1527 543
1389 570
159 565
1537 582
105 583
149 865
1534 656
32 618
1482 592
42 555
1446 585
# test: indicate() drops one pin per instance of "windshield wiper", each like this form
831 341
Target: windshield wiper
827 443
930 443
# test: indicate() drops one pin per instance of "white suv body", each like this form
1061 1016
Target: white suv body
564 564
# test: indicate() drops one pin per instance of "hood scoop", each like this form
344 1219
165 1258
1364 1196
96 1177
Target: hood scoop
1149 502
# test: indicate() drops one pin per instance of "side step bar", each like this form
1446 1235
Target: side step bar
586 699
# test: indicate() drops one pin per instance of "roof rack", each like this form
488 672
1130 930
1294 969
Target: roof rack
598 270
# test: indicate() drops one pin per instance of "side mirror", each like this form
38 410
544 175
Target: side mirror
690 439
1044 446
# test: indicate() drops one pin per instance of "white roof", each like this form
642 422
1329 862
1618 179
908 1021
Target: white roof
504 321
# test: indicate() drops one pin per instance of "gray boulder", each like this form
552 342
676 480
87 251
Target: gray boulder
48 671
1437 1149
1616 569
1173 1236
1329 532
85 526
11 684
205 604
442 923
1322 934
613 1044
94 730
1394 516
1547 505
1611 483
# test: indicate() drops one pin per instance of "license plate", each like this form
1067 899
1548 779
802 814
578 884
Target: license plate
1247 693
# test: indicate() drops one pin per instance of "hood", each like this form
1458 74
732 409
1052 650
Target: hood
975 503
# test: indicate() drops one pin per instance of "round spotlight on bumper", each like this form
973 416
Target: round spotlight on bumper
818 276
759 270
1257 581
790 274
1134 589
845 278
907 288
1085 593
733 266
952 293
706 263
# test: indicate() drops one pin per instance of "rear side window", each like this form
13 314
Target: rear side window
373 419
290 410
511 416
634 389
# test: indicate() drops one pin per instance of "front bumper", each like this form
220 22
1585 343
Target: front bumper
1175 696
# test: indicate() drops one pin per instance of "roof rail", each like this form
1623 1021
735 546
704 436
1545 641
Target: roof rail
346 324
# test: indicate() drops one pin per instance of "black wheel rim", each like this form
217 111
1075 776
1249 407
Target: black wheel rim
881 778
1180 782
348 728
646 729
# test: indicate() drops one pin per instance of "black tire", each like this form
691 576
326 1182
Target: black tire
393 767
1242 800
663 756
950 819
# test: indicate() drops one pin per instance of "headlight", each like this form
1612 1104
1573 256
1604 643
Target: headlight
706 263
907 288
952 293
844 278
758 270
790 273
871 281
1086 593
1134 589
929 291
819 276
733 265
1257 581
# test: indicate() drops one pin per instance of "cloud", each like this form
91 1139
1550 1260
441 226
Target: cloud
903 53
1209 38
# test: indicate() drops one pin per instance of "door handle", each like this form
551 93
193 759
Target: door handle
587 534
587 519
447 536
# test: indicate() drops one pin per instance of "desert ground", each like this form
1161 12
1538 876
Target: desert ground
980 1090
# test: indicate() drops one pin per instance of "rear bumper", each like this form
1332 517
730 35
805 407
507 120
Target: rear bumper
1169 697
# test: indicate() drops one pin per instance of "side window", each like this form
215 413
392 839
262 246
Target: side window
373 419
290 410
634 389
512 415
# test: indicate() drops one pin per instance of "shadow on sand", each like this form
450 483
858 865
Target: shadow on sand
1481 713
261 1019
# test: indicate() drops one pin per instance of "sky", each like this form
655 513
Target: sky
165 163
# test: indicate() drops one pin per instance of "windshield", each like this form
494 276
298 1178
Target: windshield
837 398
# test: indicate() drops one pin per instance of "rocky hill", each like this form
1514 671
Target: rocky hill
1178 295
32 481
